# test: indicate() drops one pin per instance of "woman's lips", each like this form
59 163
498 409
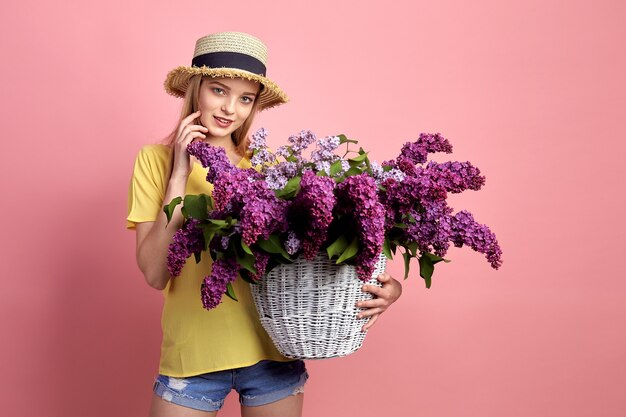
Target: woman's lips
222 122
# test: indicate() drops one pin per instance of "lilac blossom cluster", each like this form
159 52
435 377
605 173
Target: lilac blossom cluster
223 272
419 201
358 199
211 157
466 231
311 212
186 241
291 206
323 156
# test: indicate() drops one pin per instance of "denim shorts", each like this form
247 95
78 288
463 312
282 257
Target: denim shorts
259 384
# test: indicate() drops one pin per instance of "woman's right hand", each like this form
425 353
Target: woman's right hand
186 134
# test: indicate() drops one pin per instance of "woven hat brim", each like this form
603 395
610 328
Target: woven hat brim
177 81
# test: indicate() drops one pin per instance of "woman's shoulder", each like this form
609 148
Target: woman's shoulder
154 153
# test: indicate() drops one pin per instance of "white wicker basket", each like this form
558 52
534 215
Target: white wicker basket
308 307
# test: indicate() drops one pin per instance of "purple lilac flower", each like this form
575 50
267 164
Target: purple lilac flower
357 197
406 166
260 264
377 171
312 211
292 244
301 141
212 157
229 189
262 213
466 231
393 173
275 178
430 227
214 285
262 156
277 175
323 166
323 156
283 151
456 176
257 140
324 149
417 151
187 240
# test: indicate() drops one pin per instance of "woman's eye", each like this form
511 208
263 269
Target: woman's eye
218 90
246 99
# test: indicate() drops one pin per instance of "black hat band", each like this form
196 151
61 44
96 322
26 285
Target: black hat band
230 60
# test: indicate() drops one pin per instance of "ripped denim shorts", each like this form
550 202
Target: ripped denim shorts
262 383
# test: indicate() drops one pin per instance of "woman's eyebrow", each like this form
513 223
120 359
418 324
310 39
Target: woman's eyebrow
220 84
228 88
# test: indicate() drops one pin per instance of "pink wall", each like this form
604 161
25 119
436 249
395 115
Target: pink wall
531 92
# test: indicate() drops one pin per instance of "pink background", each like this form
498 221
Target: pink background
531 92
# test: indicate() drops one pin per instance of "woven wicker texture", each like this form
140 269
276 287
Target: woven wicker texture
308 307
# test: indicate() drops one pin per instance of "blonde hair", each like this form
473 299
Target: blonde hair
190 105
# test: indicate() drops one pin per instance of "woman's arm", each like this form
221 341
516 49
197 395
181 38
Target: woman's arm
385 296
154 238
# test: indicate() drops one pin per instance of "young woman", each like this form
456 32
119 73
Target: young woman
205 354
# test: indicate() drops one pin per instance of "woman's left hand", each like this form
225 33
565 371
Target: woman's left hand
384 297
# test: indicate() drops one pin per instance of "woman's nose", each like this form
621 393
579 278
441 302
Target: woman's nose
228 106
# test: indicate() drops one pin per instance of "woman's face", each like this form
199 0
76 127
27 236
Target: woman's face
225 104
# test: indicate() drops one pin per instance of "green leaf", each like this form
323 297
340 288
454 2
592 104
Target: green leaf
246 262
412 248
343 139
196 206
290 189
387 249
360 158
407 261
427 267
337 247
351 251
353 171
169 208
246 248
245 276
273 245
231 292
208 232
335 168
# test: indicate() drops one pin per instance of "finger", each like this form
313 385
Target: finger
191 128
186 122
377 302
370 312
373 289
370 323
188 138
190 118
384 277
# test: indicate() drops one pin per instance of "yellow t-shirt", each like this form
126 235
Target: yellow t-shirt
196 340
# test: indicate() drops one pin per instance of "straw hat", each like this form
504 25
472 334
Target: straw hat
228 54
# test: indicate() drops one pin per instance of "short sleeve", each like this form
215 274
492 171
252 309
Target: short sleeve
147 185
